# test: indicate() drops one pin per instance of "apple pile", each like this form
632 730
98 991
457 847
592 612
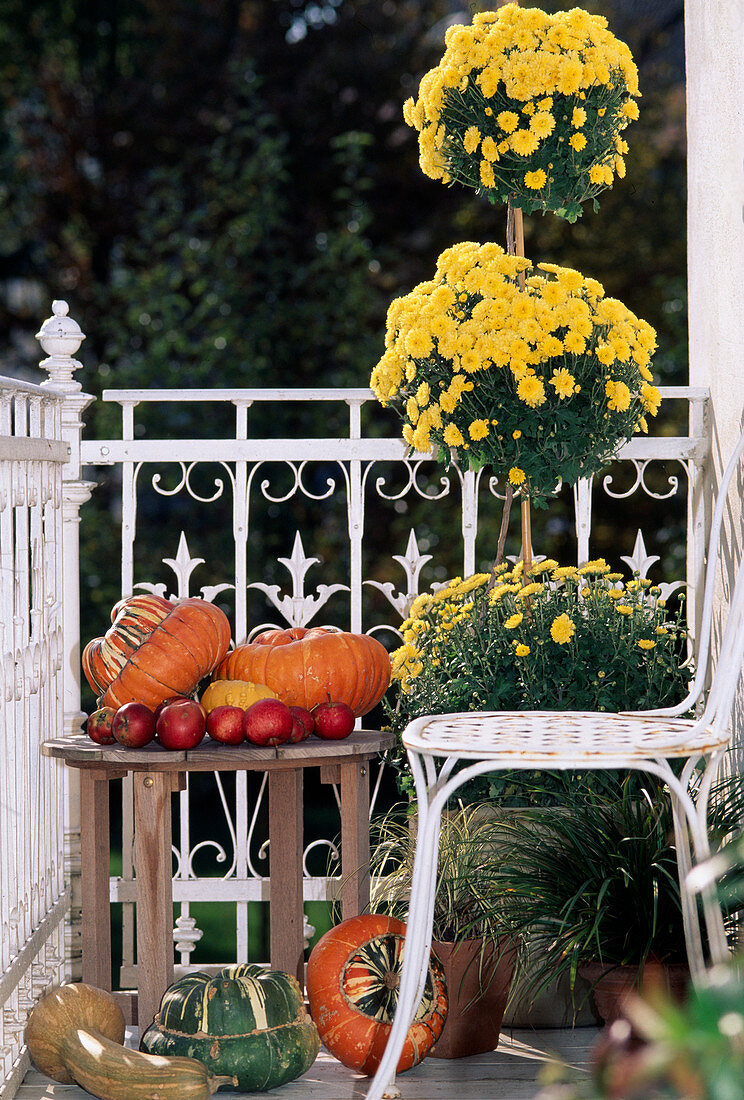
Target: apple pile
179 724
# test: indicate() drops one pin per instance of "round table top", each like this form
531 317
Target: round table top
80 752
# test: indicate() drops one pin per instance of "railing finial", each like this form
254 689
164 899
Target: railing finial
60 336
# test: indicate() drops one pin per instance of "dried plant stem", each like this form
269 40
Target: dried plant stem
526 537
508 497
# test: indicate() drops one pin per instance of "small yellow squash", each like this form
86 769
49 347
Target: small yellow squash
234 693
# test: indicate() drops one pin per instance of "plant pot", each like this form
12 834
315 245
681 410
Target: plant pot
478 981
556 1005
612 986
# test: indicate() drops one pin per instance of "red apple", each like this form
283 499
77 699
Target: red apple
167 703
181 725
333 721
225 724
267 722
133 725
99 726
303 725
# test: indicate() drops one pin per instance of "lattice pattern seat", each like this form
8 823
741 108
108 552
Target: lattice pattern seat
560 739
646 741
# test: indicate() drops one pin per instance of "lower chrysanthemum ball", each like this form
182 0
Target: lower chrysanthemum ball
352 986
245 1022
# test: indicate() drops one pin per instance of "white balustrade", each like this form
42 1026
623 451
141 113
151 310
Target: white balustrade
33 789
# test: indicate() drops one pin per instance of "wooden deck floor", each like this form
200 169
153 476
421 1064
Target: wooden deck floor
510 1073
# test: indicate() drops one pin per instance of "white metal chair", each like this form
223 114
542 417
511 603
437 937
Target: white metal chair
550 740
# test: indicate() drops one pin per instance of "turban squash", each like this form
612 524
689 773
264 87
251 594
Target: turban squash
244 1022
306 667
352 987
155 650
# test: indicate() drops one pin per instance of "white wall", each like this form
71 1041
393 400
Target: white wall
714 31
715 217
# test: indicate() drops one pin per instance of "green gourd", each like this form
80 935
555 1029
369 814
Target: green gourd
246 1022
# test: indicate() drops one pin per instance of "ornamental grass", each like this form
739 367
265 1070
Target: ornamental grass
529 107
528 368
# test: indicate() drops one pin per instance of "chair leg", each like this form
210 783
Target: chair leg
690 916
691 837
417 947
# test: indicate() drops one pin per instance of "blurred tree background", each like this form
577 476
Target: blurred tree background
226 194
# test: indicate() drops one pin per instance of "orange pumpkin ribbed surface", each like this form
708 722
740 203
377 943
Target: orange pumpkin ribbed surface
306 667
352 986
155 650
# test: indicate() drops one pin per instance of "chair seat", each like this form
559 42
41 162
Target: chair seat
560 739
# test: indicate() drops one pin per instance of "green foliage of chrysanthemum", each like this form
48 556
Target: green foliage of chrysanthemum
528 106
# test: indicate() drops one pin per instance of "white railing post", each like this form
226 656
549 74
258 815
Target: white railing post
60 337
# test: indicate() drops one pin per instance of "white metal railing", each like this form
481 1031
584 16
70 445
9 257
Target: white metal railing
33 793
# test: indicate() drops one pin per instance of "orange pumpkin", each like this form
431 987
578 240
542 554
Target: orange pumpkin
352 986
155 650
307 667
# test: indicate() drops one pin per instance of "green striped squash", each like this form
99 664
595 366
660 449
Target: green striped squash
245 1022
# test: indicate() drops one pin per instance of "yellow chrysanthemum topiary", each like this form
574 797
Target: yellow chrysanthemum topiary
542 382
528 105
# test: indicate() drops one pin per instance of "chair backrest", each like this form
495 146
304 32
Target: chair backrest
731 650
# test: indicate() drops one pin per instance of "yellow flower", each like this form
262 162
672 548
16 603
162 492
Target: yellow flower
646 643
489 149
478 429
535 180
618 396
516 434
577 142
615 593
508 121
412 410
661 630
453 436
487 177
650 398
562 629
524 142
531 390
513 622
563 382
522 650
563 572
516 476
598 567
542 124
629 109
423 394
624 608
578 118
596 174
471 139
530 590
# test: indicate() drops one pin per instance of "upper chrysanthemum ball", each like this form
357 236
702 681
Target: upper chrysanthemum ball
529 106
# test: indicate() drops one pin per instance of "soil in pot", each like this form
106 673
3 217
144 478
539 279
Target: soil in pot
478 981
613 985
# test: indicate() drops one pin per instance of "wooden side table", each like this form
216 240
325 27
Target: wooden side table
157 773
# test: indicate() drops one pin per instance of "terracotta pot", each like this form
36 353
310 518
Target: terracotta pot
478 982
613 985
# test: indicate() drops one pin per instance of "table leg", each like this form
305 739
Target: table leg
153 867
94 884
354 837
286 910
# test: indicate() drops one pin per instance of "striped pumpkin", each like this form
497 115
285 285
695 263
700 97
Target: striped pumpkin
155 650
306 667
245 1022
352 986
